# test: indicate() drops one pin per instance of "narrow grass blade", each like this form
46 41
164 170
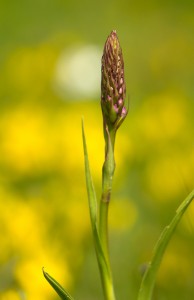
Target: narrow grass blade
148 281
57 287
93 208
89 183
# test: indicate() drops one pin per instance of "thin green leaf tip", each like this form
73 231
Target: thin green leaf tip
89 182
93 209
63 294
148 281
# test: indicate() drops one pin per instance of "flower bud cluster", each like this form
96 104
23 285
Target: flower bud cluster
113 90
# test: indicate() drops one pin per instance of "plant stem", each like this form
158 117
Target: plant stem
107 177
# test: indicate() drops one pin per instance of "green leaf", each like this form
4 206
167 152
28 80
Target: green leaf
89 183
57 287
148 281
93 209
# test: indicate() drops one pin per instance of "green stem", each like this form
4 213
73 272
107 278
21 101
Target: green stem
101 248
107 177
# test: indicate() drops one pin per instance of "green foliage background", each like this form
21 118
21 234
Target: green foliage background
44 218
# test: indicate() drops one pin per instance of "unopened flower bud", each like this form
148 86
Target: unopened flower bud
113 90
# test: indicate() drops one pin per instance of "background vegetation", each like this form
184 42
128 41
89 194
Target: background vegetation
50 76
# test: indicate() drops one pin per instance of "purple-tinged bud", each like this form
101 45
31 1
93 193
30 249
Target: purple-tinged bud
120 91
113 90
120 102
124 112
116 108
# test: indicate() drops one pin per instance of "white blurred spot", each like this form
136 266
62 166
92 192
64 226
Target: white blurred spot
78 72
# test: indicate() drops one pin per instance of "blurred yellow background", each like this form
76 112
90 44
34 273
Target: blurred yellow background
50 55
